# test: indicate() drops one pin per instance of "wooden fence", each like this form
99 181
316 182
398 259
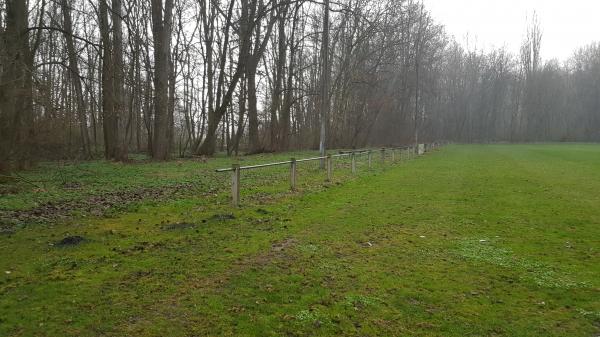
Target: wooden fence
410 151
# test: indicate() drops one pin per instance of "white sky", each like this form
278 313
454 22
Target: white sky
566 25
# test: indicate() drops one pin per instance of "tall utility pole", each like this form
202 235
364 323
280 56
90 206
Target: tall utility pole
325 71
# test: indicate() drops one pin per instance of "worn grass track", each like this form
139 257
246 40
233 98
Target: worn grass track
481 240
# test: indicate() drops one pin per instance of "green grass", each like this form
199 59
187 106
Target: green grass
65 181
470 240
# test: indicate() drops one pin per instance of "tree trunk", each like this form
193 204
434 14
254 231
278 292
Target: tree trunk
286 108
325 72
76 78
161 28
242 111
17 136
276 96
253 140
109 119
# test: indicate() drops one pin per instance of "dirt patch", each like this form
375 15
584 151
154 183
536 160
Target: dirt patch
71 185
222 217
219 282
139 247
6 230
283 245
71 241
262 211
8 189
177 226
279 250
97 205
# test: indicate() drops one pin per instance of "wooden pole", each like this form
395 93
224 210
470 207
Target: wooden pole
293 174
353 163
235 185
329 167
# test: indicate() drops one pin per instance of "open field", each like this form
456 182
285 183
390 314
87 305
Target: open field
470 240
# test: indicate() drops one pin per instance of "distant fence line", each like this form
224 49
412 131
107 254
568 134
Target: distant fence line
411 151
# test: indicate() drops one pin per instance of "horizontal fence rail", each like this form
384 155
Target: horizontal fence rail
406 152
249 167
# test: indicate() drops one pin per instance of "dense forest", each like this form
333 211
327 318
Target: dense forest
86 79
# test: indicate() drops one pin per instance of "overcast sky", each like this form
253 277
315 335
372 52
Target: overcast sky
566 25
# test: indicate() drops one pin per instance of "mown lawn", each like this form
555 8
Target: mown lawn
470 240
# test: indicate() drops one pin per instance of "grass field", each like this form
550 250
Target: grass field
470 240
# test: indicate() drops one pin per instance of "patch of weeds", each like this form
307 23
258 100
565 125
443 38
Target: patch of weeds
428 253
331 267
313 317
310 248
536 272
307 315
586 313
361 301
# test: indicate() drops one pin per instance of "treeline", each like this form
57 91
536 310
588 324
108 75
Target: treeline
83 79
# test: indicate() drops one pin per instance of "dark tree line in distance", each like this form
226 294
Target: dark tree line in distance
86 79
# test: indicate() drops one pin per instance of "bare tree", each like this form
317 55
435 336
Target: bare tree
269 75
76 77
161 29
325 73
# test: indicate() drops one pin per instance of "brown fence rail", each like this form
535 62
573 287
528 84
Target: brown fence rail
411 151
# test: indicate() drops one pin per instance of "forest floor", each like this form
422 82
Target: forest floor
468 240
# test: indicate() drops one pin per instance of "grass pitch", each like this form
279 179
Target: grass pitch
470 240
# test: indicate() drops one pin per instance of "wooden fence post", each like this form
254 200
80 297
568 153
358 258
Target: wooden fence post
353 163
329 168
369 156
293 174
235 185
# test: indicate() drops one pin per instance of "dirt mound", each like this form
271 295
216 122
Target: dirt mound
71 241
